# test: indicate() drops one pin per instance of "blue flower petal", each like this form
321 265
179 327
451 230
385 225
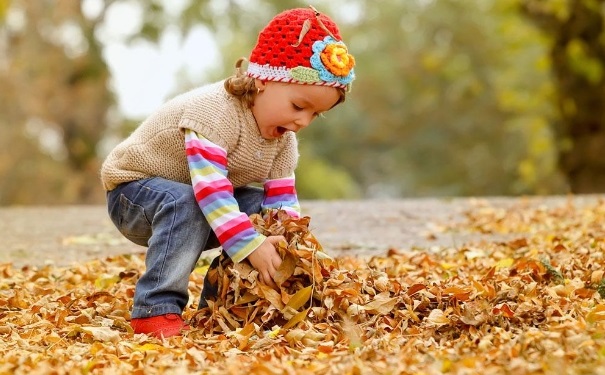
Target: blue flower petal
324 74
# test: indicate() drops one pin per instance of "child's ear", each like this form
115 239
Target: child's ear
260 84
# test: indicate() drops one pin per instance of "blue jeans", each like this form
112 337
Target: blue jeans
164 216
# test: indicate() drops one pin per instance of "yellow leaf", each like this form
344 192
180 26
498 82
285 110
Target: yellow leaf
246 298
89 366
447 266
202 270
148 347
505 263
469 362
273 334
106 282
446 366
297 319
300 298
597 314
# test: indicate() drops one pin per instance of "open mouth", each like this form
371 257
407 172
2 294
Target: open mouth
280 131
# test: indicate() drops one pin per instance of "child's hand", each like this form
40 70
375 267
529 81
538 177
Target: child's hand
266 259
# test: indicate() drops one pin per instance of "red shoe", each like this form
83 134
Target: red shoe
159 326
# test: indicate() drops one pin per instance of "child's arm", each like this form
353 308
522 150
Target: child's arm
214 194
281 194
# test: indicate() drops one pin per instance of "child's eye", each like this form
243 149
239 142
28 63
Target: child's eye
298 108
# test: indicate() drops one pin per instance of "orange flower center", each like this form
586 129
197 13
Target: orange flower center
337 60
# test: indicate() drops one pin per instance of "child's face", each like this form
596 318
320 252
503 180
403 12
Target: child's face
280 107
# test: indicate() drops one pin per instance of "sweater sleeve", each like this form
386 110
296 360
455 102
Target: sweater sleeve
280 193
214 194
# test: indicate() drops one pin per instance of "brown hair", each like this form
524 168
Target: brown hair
242 86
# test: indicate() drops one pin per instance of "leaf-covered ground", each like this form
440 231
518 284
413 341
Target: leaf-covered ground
533 304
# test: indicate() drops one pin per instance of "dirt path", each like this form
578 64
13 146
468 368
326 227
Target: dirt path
68 234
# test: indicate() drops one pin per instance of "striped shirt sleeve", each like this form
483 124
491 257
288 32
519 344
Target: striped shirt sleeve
280 193
214 194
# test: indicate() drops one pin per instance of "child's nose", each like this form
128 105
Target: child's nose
304 120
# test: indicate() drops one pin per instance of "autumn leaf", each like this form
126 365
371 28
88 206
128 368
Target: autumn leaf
300 298
299 317
505 263
381 304
286 269
437 318
504 310
102 333
597 314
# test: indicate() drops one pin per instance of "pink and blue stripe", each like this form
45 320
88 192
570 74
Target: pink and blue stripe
214 194
280 193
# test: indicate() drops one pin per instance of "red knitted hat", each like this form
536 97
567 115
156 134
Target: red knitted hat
302 46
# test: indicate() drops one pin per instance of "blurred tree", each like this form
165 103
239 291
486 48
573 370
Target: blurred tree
576 30
452 99
56 104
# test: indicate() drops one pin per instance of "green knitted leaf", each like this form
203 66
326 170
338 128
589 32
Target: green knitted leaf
304 74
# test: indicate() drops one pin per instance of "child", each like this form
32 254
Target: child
178 183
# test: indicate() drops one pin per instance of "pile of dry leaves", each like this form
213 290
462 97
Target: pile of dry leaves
244 303
533 304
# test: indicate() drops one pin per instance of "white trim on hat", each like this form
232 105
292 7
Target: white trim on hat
281 74
268 72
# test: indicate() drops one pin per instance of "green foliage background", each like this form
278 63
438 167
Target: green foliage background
453 97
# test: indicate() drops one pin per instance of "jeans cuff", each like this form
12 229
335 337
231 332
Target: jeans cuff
149 311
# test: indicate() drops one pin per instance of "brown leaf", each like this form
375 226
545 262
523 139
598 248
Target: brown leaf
504 310
381 304
286 269
437 318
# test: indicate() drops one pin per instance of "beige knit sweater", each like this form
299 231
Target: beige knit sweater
157 147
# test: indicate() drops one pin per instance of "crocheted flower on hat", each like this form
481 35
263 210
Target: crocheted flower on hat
333 61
